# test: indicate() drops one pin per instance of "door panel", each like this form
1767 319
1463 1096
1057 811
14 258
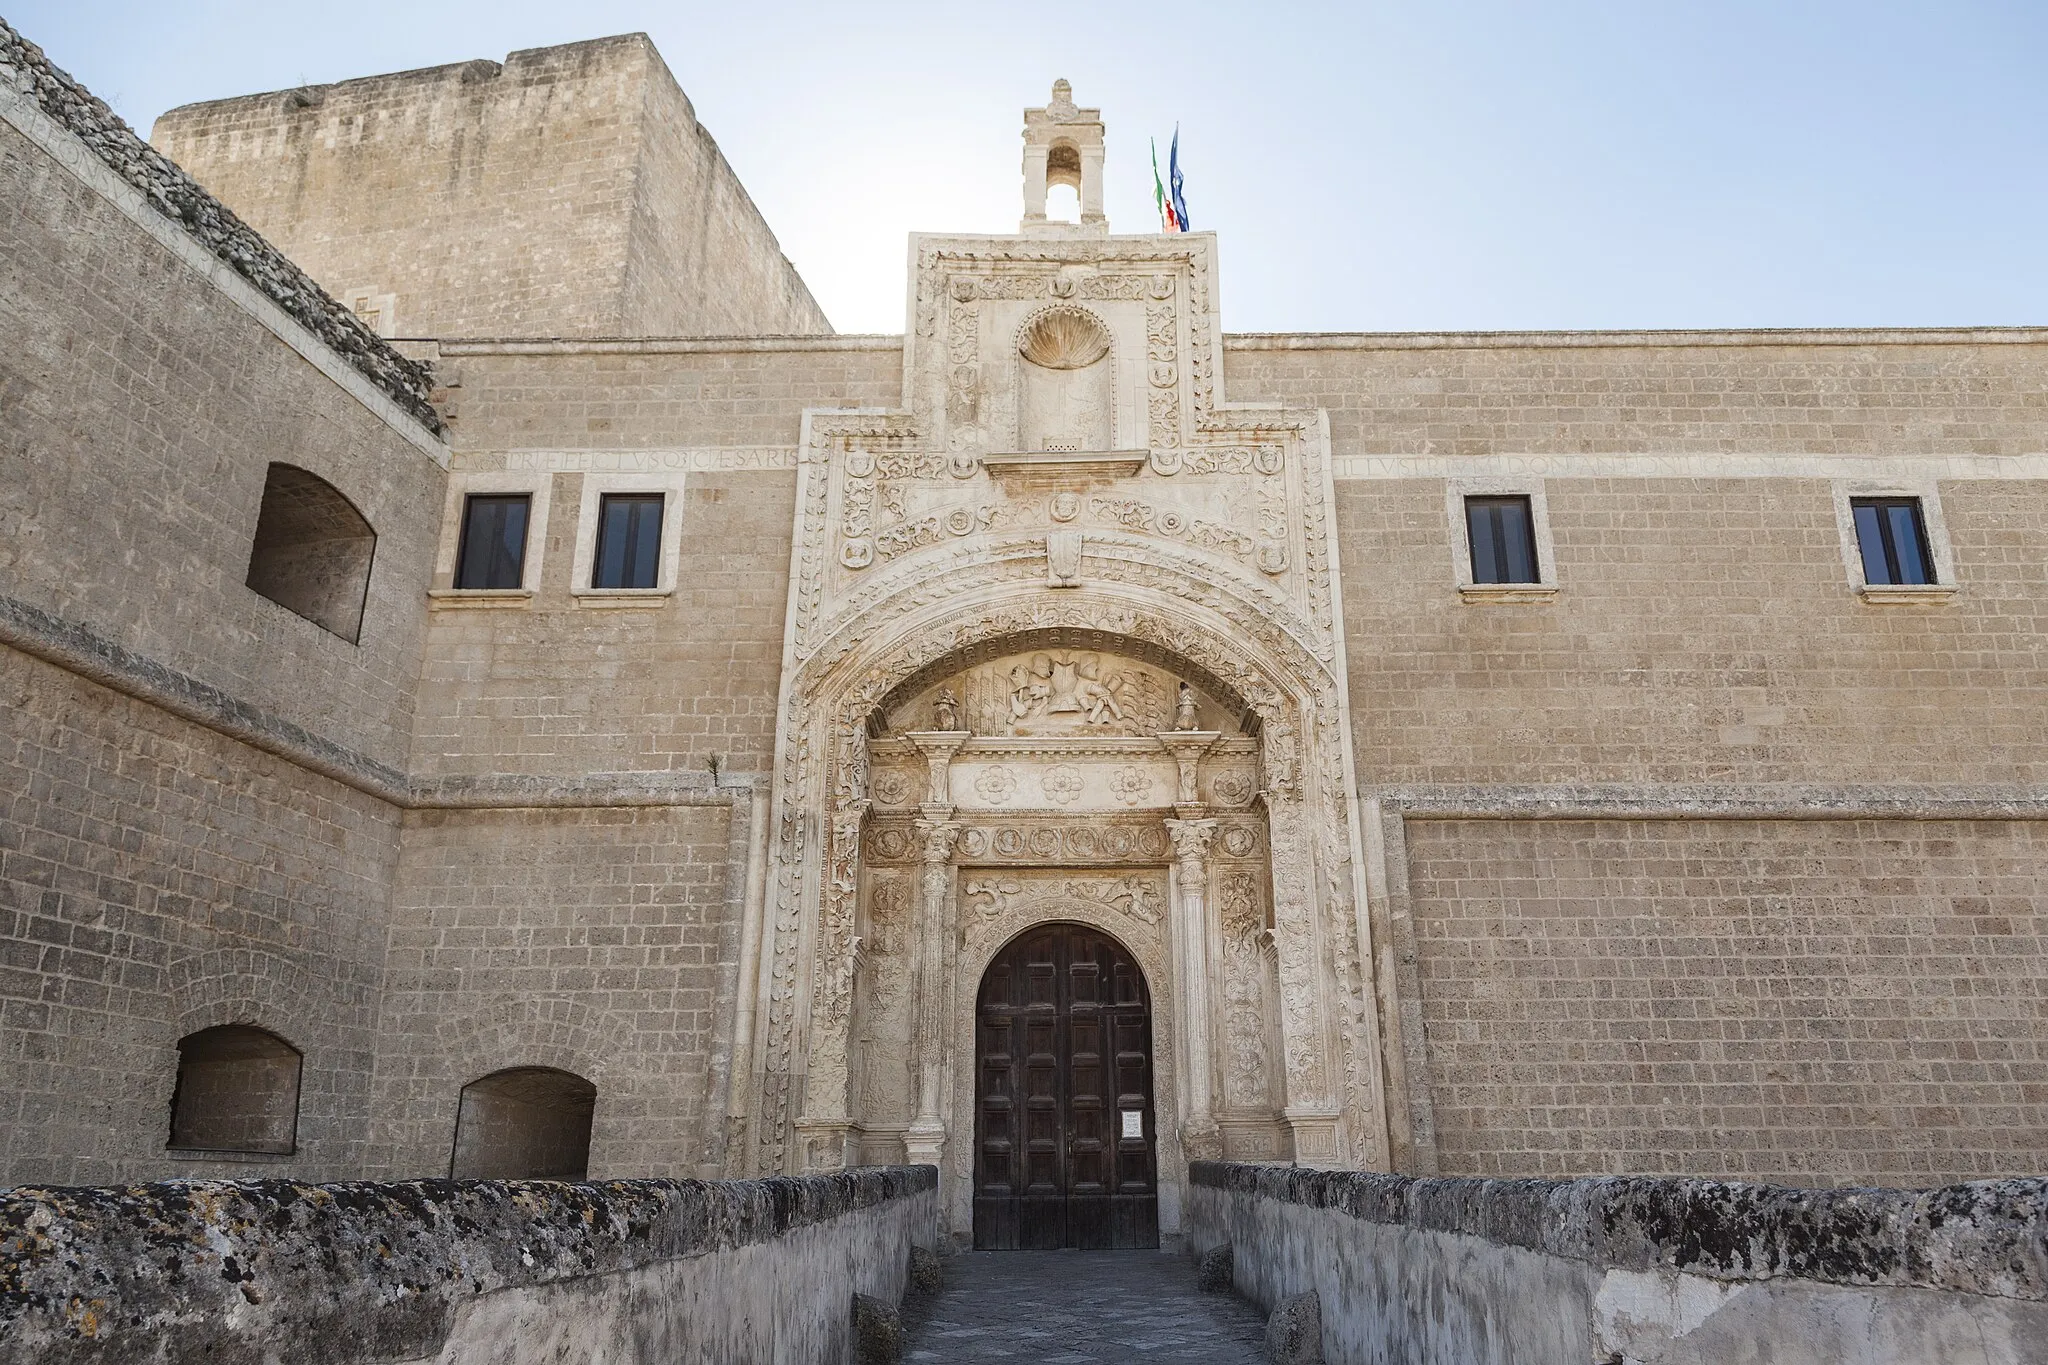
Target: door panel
1063 1035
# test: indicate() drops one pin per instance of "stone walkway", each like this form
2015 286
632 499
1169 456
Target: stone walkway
1080 1308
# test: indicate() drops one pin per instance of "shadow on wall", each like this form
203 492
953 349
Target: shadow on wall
524 1123
313 551
238 1091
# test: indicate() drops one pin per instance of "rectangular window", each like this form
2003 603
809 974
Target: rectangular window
1503 535
493 550
1893 539
628 541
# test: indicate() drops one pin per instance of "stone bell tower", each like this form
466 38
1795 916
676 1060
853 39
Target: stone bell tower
1063 146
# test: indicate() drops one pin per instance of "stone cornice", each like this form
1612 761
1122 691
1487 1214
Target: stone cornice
77 650
1757 336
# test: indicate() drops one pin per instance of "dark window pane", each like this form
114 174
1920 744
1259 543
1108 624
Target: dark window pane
1908 542
493 550
1503 536
628 541
1892 538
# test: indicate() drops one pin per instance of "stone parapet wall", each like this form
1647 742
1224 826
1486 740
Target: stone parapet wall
511 1271
1646 1271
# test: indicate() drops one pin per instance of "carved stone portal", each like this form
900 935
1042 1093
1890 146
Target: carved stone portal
1045 612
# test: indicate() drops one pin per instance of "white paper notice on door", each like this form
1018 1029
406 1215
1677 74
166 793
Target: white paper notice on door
1134 1123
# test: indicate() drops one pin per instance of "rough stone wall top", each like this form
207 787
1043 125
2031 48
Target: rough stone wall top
355 1271
179 198
1988 1237
569 191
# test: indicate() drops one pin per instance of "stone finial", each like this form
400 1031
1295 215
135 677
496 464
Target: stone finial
1060 108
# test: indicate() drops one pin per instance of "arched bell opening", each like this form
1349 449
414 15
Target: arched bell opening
1065 1134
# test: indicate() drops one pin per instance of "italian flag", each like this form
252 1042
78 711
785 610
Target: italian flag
1169 221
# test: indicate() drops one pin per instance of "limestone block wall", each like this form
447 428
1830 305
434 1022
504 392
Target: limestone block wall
157 878
196 826
145 407
1812 1002
517 1272
561 686
569 191
1704 630
1657 1272
1420 395
597 941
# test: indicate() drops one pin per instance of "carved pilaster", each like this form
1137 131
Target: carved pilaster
1311 1109
836 963
931 941
1191 840
938 748
1187 748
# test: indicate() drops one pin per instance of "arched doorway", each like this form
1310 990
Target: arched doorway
1064 1133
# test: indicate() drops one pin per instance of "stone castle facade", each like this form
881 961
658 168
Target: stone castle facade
1686 837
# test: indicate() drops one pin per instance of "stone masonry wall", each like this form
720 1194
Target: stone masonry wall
157 879
567 192
594 941
1811 1002
678 683
1955 393
142 410
1705 630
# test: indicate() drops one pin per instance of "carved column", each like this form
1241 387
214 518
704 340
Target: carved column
925 1141
1191 839
931 947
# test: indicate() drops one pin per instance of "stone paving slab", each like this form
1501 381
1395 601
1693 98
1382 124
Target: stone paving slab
1080 1308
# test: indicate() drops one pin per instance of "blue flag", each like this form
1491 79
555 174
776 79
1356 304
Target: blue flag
1180 206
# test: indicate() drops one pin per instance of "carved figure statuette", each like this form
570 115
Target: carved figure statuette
1184 717
946 710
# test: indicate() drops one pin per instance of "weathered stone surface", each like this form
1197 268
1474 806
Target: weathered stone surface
1471 1272
927 1271
179 198
1215 1272
224 1272
1294 1331
877 1331
1984 1237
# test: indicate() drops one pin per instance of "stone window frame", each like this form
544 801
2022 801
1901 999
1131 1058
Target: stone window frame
539 488
670 484
1456 490
1927 492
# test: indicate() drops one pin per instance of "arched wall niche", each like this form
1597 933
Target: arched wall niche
1066 396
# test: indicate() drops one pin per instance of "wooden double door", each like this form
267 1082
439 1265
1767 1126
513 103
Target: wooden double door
1064 1135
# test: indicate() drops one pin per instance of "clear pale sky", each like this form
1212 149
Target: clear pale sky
1370 166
